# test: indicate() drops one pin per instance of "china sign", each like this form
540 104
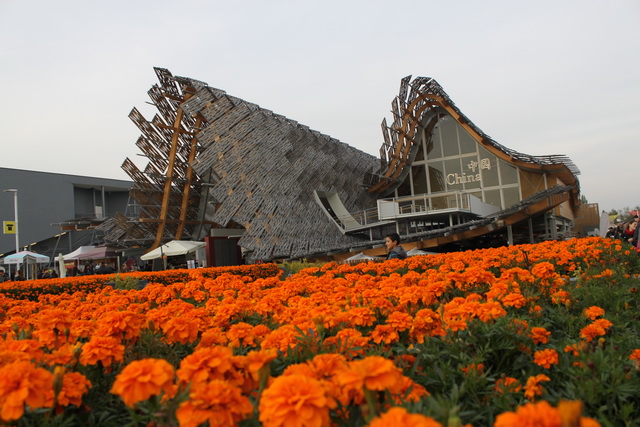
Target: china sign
474 176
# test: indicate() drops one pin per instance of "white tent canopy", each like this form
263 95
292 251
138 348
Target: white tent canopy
362 257
90 252
173 248
416 251
25 257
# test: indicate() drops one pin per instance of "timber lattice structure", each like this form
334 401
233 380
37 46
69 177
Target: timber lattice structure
217 161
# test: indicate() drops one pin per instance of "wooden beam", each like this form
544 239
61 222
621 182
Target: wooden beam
167 185
173 129
186 192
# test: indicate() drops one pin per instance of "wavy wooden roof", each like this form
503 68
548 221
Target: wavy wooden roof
410 108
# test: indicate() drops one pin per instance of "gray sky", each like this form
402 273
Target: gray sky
544 77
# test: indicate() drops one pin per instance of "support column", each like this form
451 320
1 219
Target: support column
166 196
510 235
104 204
530 221
553 226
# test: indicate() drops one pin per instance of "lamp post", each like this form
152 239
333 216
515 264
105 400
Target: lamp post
15 207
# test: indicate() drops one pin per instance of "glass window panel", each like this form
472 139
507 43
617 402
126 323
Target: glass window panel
511 196
436 177
449 136
488 165
420 154
434 148
467 143
508 173
492 197
454 176
405 188
419 179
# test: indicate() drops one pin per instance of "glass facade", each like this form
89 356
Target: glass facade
449 159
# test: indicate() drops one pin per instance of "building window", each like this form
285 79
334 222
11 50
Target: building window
419 176
436 177
455 161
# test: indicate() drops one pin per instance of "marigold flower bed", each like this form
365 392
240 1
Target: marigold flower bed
508 336
32 289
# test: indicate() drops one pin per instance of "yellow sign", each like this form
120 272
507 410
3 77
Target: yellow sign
9 227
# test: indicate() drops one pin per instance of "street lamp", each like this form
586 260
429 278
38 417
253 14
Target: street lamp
15 206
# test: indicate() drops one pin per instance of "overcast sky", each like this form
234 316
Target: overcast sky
543 77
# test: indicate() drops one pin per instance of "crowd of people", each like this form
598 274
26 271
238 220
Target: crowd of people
51 273
626 231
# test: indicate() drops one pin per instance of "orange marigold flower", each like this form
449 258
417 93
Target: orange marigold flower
361 316
373 372
546 358
218 402
183 329
400 417
408 391
28 347
543 414
507 385
530 414
121 324
62 355
105 350
540 335
561 297
295 400
573 349
490 310
326 365
514 299
455 324
55 319
399 321
205 364
348 341
241 334
23 383
384 333
258 361
281 339
426 323
593 312
141 379
570 412
477 368
74 386
211 337
590 332
533 387
543 270
603 323
635 355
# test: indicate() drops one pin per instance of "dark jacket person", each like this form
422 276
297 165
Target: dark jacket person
394 250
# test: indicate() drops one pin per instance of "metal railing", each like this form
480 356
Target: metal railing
392 208
424 203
